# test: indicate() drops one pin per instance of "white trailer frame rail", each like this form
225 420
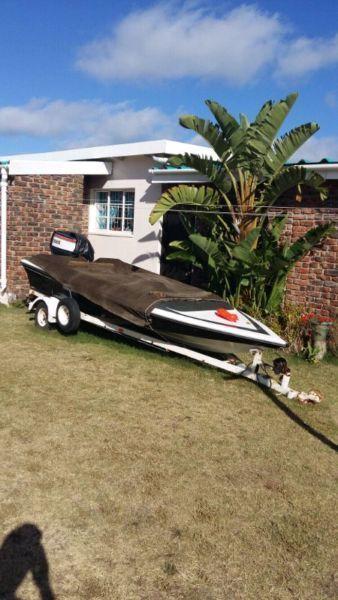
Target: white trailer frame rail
252 371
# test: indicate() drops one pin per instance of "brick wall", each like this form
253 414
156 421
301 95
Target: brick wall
38 204
313 283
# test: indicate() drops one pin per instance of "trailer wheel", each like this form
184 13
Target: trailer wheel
68 315
41 315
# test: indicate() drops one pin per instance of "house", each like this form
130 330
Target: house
108 192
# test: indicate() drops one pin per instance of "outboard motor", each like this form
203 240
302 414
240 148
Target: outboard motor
70 243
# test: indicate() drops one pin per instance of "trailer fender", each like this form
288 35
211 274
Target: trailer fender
52 304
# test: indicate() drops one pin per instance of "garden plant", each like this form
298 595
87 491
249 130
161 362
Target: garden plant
231 234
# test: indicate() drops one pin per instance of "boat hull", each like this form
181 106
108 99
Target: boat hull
192 328
206 341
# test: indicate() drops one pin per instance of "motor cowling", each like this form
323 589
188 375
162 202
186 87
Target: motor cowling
70 243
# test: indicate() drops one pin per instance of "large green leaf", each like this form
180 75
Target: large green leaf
182 195
243 250
287 145
289 178
290 256
260 135
305 243
275 298
207 250
271 117
183 252
225 120
277 226
264 111
212 169
210 132
204 253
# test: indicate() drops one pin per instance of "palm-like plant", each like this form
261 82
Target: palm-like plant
247 177
250 173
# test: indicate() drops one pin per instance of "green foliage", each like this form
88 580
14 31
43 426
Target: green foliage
255 278
287 145
292 177
286 323
241 252
183 195
310 352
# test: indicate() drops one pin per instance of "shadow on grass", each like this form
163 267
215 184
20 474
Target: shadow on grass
124 343
297 419
22 553
104 336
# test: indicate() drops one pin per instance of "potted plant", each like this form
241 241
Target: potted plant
316 329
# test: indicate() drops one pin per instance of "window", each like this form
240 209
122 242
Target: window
114 211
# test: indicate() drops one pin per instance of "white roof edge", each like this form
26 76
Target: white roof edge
174 147
326 170
119 151
49 167
318 166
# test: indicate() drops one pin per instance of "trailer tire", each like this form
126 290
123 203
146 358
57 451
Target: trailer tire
41 315
68 315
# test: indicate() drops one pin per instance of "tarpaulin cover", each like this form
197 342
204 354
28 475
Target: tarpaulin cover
124 290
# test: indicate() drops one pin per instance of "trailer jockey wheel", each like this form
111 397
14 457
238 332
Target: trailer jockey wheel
280 366
68 315
41 315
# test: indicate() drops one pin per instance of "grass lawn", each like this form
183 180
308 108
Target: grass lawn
153 478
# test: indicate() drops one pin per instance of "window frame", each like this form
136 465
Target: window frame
93 229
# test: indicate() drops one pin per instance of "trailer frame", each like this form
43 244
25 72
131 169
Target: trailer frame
255 370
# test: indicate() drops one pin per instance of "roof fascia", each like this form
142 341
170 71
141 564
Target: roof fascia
44 167
168 147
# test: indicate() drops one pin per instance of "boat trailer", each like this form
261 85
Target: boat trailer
256 370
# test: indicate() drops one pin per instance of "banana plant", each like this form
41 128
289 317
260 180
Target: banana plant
249 173
240 251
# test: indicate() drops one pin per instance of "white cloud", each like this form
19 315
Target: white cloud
317 148
305 55
163 43
85 122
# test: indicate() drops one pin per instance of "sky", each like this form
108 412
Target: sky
78 73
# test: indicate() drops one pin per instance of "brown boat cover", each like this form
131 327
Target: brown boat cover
118 287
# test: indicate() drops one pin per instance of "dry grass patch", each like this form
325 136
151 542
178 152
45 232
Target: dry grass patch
154 478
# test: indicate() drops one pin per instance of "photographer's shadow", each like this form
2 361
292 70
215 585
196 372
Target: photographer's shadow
22 553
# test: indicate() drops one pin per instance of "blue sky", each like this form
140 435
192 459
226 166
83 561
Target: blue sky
84 73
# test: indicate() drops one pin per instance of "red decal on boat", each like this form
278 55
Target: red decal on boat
225 314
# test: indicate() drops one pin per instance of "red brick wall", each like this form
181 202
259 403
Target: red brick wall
38 204
313 283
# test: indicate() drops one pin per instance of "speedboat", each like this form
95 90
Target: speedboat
116 292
